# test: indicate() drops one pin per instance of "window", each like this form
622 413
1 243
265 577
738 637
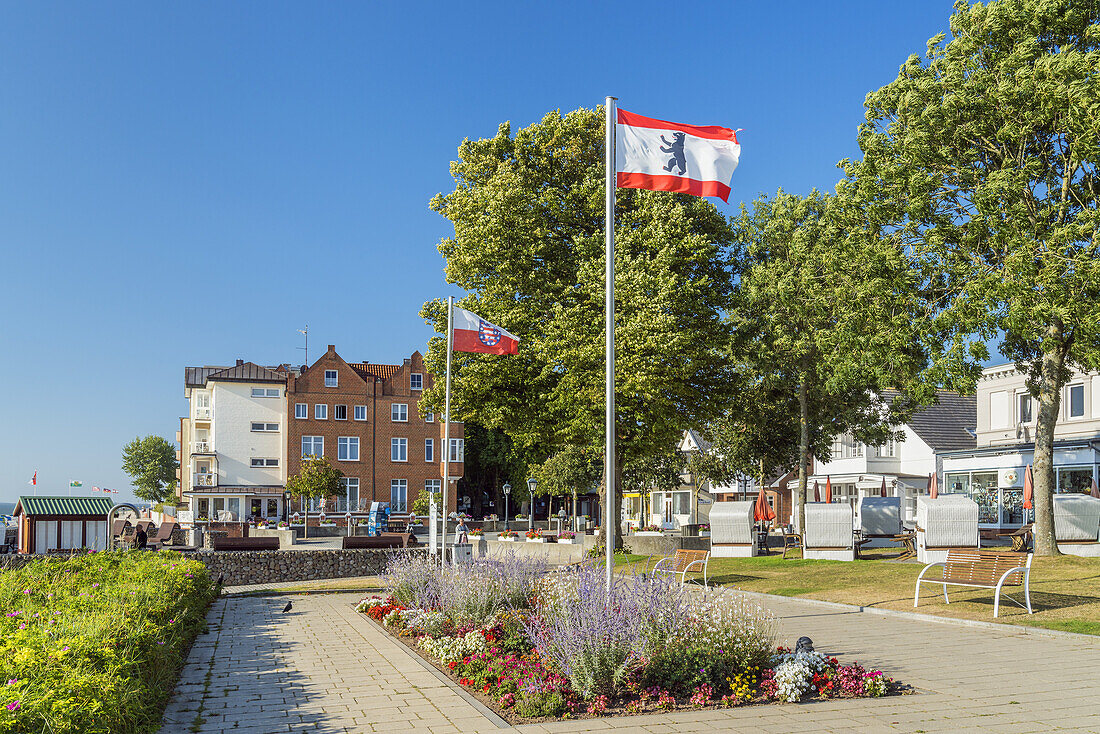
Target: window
399 449
340 412
416 381
320 411
348 499
399 412
431 486
347 448
857 449
886 450
258 463
1075 401
360 412
458 447
1075 479
429 449
265 392
331 378
1023 408
429 417
265 427
399 493
838 448
313 446
301 411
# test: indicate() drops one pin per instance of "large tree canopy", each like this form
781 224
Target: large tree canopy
529 250
982 157
151 463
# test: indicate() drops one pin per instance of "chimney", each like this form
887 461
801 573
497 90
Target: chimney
332 349
240 362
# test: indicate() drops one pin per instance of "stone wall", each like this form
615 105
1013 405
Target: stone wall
265 567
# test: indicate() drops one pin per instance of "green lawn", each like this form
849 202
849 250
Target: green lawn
1065 591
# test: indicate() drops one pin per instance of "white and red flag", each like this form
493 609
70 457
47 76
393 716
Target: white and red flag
474 334
667 156
34 479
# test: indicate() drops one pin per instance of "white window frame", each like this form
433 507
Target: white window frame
402 487
336 412
360 412
416 381
264 427
332 378
1031 407
347 483
429 450
857 449
344 446
1069 405
263 463
458 451
320 411
301 411
399 448
429 417
314 443
432 486
265 392
399 413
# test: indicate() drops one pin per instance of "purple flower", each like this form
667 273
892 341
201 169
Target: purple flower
12 681
26 591
13 706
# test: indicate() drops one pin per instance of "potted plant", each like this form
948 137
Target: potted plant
650 530
568 537
508 536
535 536
704 530
476 533
283 525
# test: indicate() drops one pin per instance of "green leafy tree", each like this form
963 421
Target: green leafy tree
828 318
529 251
493 460
151 463
569 472
316 478
982 158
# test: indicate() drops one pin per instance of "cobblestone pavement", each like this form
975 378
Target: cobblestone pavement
346 583
323 668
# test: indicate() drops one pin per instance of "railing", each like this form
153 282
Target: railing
204 480
203 414
202 447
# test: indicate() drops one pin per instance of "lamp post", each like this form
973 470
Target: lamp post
531 484
286 506
507 492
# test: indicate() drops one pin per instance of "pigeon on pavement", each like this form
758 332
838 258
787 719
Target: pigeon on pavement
287 607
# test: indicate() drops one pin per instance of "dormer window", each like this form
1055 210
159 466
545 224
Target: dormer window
332 378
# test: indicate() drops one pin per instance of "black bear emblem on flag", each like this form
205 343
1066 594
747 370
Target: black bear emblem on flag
676 148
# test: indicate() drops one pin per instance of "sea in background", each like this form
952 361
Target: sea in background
6 508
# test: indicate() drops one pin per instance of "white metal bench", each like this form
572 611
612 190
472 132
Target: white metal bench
681 563
982 569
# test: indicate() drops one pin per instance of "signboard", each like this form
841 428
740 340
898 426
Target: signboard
185 517
433 530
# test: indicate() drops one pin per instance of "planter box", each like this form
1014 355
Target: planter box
507 540
536 540
649 533
704 533
567 541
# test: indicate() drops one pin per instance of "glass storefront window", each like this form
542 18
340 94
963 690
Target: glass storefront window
955 484
983 490
1012 506
1075 479
681 503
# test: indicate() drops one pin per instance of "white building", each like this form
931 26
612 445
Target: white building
233 441
857 470
992 472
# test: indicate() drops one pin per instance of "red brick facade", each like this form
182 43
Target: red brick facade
374 389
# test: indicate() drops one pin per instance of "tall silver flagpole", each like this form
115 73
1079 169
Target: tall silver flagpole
609 336
447 425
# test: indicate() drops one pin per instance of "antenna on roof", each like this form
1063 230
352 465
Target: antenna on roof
305 332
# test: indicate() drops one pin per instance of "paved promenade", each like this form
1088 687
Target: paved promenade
323 668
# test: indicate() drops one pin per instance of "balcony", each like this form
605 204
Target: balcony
202 447
203 414
204 480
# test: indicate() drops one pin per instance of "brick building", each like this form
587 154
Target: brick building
365 419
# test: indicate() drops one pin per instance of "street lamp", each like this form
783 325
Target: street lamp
286 505
531 484
507 492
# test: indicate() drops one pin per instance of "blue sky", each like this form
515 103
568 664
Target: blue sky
189 183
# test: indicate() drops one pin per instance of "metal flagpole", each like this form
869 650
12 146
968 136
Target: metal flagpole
609 336
447 426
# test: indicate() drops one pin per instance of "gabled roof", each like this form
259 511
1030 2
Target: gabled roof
247 372
63 506
943 425
383 371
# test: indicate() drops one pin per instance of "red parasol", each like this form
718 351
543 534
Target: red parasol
762 511
1029 489
828 490
1095 490
933 486
884 486
817 493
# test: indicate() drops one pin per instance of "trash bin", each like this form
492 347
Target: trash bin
462 553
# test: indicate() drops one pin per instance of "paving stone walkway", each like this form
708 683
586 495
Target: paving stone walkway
324 668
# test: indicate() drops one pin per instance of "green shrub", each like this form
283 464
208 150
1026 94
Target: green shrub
94 643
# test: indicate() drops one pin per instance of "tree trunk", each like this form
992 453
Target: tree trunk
1050 400
305 523
803 449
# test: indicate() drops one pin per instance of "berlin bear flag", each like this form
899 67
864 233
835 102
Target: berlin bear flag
474 334
667 156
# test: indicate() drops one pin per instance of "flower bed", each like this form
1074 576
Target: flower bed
94 643
538 647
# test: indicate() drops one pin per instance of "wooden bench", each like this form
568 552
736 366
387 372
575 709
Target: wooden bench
245 544
681 563
982 569
385 540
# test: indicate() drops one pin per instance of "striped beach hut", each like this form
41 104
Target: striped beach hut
61 523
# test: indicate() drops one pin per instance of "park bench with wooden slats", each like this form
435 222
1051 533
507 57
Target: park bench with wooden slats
245 544
681 563
982 569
